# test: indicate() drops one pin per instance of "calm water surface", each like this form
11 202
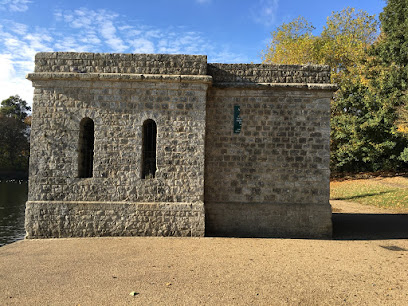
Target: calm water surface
13 195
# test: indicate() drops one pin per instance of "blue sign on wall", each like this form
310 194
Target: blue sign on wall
237 119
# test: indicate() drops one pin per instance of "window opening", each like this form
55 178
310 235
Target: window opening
149 149
86 148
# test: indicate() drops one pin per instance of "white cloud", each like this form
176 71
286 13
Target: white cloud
14 5
108 32
69 43
154 34
87 30
226 56
142 45
11 43
18 28
183 42
125 27
264 12
12 83
91 38
92 27
203 1
17 58
39 40
6 67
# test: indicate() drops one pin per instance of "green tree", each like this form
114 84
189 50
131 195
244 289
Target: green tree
344 41
341 45
392 50
393 46
292 43
14 134
15 107
365 135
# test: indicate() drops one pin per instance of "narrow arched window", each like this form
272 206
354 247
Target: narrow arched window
149 149
86 148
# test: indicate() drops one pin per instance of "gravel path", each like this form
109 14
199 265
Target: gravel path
191 271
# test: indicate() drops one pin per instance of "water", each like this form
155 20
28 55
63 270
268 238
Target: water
13 195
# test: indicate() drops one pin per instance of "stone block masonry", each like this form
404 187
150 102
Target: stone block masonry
121 63
272 178
269 180
269 74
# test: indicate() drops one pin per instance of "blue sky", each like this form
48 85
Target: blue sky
227 31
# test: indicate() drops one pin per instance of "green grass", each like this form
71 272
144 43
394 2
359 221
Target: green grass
380 192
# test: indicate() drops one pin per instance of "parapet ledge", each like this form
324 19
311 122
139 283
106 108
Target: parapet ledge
118 77
309 86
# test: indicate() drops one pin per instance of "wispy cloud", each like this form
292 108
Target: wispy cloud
264 12
6 66
18 28
225 55
86 30
187 42
203 1
18 46
11 82
142 45
108 32
92 28
70 43
14 5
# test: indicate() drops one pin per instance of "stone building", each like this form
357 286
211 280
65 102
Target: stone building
169 145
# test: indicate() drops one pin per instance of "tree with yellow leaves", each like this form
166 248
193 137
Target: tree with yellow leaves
292 43
364 110
341 44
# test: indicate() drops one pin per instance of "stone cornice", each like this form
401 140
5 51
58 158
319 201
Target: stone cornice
118 77
249 85
124 77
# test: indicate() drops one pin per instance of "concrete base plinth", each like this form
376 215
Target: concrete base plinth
52 219
288 220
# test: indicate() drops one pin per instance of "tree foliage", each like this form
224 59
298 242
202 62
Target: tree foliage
292 43
392 50
14 134
368 108
393 47
15 107
341 45
364 135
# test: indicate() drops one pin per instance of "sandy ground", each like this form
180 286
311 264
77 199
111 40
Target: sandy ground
353 269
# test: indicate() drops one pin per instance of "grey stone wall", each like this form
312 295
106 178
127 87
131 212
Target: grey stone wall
264 73
276 168
118 110
87 219
173 64
118 104
272 179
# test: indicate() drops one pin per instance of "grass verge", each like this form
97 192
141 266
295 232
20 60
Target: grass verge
386 192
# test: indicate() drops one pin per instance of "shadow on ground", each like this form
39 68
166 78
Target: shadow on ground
369 226
365 195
